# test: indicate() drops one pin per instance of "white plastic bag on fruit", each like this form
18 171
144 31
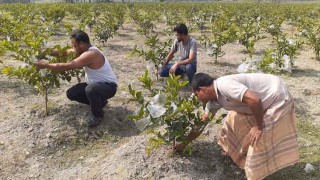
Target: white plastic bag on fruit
291 42
156 105
33 58
249 65
156 110
158 99
142 123
174 106
287 64
191 96
211 48
243 67
309 168
273 65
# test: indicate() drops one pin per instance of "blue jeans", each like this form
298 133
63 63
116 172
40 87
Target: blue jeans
189 69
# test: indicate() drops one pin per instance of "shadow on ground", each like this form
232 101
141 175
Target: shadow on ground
72 130
19 87
305 73
115 119
208 161
120 48
221 63
295 172
302 108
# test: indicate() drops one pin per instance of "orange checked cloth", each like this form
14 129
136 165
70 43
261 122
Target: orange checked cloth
277 147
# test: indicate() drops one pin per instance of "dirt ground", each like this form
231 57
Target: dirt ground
60 146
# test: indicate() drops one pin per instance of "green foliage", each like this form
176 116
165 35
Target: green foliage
145 26
268 59
164 106
248 33
199 23
286 46
143 22
31 51
68 28
313 39
272 26
2 50
156 51
11 28
223 32
281 57
23 52
154 143
107 26
171 19
88 21
103 33
271 62
55 14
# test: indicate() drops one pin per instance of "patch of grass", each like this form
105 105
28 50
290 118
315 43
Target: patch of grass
310 132
309 137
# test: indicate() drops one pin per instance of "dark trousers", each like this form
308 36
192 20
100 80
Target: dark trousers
189 69
95 95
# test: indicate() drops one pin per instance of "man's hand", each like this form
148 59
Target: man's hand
164 63
254 135
41 64
174 68
205 117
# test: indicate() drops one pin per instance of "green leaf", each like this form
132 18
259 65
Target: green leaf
6 70
68 78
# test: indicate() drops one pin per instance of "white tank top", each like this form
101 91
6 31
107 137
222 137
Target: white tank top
103 74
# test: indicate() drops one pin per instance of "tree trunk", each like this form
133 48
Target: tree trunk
46 101
173 144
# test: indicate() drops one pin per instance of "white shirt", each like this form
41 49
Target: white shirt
230 90
103 74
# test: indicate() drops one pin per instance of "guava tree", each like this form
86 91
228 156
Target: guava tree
165 107
155 53
32 49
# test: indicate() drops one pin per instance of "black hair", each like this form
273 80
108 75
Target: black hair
200 80
79 36
181 29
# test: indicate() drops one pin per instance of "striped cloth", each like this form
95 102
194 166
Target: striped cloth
277 147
